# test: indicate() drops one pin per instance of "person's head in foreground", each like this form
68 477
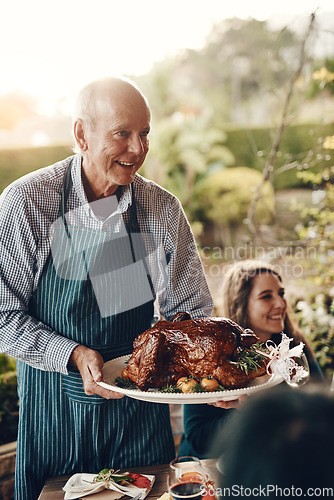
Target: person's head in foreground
280 438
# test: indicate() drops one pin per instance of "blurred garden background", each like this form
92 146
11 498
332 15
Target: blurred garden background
243 134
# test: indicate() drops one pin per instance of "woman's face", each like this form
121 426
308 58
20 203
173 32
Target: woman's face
266 308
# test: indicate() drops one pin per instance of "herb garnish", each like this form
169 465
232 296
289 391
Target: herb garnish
171 389
250 358
125 383
107 475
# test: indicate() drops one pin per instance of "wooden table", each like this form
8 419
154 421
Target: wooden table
53 488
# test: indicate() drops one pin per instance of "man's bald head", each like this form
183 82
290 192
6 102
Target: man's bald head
99 94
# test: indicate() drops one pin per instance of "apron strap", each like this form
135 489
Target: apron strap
143 252
67 186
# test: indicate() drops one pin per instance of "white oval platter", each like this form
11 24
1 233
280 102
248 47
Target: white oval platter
113 368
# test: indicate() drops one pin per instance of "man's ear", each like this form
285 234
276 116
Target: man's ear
79 134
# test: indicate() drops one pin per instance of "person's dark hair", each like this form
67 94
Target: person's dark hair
282 437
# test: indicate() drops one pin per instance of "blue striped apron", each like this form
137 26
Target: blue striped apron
61 429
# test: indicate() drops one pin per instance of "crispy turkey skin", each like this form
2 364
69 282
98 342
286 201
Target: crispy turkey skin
184 346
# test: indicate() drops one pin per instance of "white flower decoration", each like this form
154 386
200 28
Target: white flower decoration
282 362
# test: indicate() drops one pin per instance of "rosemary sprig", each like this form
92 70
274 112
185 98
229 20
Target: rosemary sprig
125 383
107 475
197 387
171 389
250 359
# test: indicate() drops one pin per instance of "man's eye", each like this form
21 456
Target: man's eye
122 133
144 133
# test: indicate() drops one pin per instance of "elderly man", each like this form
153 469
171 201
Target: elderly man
87 247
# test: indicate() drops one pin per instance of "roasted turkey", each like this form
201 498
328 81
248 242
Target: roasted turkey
199 347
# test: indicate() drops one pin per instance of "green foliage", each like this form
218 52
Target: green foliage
9 404
262 51
17 162
212 146
160 89
302 144
250 359
184 149
241 59
317 228
323 76
316 319
316 312
7 363
125 383
224 198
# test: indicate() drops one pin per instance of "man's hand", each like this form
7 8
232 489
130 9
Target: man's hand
90 363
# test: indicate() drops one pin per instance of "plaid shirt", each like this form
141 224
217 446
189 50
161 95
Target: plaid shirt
29 207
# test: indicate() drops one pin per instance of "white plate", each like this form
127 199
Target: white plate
114 367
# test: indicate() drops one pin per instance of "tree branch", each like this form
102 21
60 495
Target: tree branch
270 164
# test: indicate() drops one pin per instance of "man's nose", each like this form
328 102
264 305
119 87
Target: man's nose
136 145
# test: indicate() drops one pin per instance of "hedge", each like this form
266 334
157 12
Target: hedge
9 407
249 146
252 146
17 162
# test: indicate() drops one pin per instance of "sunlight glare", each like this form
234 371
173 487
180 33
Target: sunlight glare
54 49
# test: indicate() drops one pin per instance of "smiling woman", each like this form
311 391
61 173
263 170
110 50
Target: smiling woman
266 310
253 297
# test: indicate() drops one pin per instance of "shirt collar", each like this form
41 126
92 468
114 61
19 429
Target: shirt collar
124 202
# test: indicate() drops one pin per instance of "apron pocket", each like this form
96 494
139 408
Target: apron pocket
72 386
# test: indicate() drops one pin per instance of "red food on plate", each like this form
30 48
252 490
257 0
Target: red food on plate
139 480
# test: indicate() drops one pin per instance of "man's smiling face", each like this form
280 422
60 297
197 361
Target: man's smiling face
117 145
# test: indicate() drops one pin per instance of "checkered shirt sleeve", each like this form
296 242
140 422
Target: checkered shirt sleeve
29 206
